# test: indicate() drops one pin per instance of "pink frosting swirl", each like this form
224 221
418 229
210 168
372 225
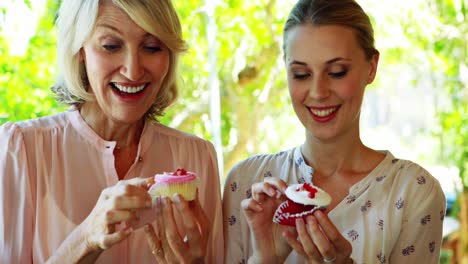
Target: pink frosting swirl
179 176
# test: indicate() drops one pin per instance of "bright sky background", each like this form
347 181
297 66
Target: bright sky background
20 22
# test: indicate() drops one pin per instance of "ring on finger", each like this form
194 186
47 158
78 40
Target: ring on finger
329 260
158 252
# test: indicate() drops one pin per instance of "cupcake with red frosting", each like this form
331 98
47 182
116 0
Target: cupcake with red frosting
181 181
302 200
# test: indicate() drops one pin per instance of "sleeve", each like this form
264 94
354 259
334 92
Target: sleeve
213 208
232 197
16 196
421 235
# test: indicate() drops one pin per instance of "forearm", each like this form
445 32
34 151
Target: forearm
75 249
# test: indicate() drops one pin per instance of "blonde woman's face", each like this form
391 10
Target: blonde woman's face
125 66
327 74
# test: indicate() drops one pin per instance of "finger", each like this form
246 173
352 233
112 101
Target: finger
323 245
204 223
130 202
139 182
173 242
262 188
160 229
129 189
307 243
332 233
251 205
277 183
117 216
195 240
291 238
154 243
114 238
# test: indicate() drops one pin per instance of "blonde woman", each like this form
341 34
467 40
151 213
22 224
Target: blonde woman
74 185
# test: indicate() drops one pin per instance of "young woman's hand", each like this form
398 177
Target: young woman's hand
167 244
268 239
319 241
116 205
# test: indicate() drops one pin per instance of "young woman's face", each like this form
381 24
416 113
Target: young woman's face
125 65
327 74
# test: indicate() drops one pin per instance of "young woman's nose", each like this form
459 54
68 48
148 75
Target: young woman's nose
319 89
132 67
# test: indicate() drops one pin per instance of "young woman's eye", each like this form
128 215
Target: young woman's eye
300 76
111 47
338 75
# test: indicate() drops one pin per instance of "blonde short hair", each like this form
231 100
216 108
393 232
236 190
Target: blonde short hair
76 21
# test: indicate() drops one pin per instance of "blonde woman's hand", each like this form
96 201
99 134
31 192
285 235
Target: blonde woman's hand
172 244
267 237
116 205
319 241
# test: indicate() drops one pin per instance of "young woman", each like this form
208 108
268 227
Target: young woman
383 209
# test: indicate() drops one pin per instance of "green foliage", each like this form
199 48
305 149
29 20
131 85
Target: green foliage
451 48
249 69
24 80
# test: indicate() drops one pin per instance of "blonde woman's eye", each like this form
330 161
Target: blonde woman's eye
111 47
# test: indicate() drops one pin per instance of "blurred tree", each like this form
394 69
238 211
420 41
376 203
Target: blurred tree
250 70
449 55
439 30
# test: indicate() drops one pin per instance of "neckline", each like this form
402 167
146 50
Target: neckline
308 171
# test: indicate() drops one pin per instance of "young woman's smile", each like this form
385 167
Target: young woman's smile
324 114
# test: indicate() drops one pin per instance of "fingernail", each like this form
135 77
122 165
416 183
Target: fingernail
164 200
310 219
128 230
299 222
271 192
148 203
146 228
176 198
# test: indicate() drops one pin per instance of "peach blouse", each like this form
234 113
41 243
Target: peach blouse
53 169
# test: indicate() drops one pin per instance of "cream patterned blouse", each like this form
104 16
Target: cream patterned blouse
393 215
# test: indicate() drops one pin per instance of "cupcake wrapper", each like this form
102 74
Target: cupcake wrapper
188 190
288 211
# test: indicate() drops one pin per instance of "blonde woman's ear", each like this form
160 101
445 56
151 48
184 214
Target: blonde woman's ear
82 55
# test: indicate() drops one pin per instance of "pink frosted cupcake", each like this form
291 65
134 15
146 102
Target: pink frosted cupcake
181 181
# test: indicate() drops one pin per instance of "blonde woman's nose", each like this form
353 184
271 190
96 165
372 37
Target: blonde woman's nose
132 67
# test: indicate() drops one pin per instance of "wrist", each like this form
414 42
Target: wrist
255 259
